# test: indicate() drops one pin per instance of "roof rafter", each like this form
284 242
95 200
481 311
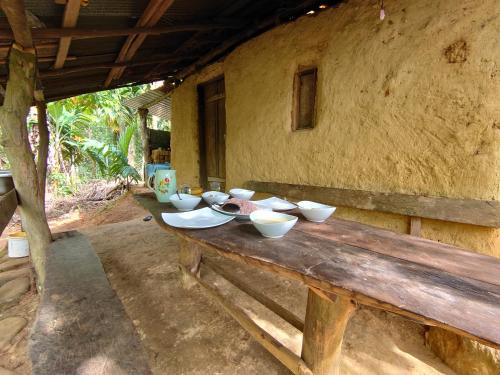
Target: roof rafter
70 18
153 13
16 15
89 33
234 7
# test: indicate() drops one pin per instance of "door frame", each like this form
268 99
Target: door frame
202 147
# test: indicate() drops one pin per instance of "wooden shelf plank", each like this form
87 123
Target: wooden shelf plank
467 211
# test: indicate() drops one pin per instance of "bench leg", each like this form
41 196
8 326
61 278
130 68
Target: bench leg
326 320
189 258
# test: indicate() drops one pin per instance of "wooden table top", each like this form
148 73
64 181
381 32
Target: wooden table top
431 282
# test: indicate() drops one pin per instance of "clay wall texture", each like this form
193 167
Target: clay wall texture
410 104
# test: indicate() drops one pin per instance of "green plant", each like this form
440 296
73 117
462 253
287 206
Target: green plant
112 159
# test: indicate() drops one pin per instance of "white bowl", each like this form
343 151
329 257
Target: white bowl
272 224
315 212
212 197
187 203
242 193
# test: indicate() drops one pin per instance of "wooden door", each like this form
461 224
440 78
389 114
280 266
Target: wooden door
212 132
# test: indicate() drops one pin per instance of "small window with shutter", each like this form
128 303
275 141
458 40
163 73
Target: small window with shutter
304 99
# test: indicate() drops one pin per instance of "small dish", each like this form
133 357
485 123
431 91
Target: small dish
276 204
315 212
212 197
238 216
197 219
272 224
242 193
186 202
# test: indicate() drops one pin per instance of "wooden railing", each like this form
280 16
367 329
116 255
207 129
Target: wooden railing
467 211
8 205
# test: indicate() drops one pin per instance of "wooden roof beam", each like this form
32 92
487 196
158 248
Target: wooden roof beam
70 18
16 15
246 34
152 14
90 33
87 67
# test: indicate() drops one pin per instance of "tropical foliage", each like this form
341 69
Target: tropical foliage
92 136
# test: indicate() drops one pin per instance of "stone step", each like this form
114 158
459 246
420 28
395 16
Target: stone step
14 263
9 328
12 290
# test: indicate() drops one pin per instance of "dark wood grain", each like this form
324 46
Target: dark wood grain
424 293
467 211
429 253
8 204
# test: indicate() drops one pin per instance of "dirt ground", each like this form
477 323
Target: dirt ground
184 332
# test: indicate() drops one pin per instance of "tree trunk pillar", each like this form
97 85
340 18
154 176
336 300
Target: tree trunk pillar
143 114
43 147
325 323
14 139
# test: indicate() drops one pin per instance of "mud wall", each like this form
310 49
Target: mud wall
408 105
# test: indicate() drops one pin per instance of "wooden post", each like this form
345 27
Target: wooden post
189 259
43 146
14 139
415 226
324 328
143 114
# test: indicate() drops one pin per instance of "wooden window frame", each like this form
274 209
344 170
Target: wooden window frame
301 71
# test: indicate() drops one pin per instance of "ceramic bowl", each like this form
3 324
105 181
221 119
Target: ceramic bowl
187 203
272 224
316 212
217 197
242 193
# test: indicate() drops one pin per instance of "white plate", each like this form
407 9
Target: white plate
275 204
197 219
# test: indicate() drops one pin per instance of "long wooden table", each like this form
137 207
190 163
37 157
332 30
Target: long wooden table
345 264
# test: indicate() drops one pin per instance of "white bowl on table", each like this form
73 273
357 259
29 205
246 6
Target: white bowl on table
186 203
217 197
241 193
272 224
315 212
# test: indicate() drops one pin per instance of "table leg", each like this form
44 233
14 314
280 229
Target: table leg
189 258
326 320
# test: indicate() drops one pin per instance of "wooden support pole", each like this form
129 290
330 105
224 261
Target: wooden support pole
143 114
43 146
14 139
415 226
325 324
16 15
189 261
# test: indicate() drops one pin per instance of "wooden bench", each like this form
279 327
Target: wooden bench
346 264
81 325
